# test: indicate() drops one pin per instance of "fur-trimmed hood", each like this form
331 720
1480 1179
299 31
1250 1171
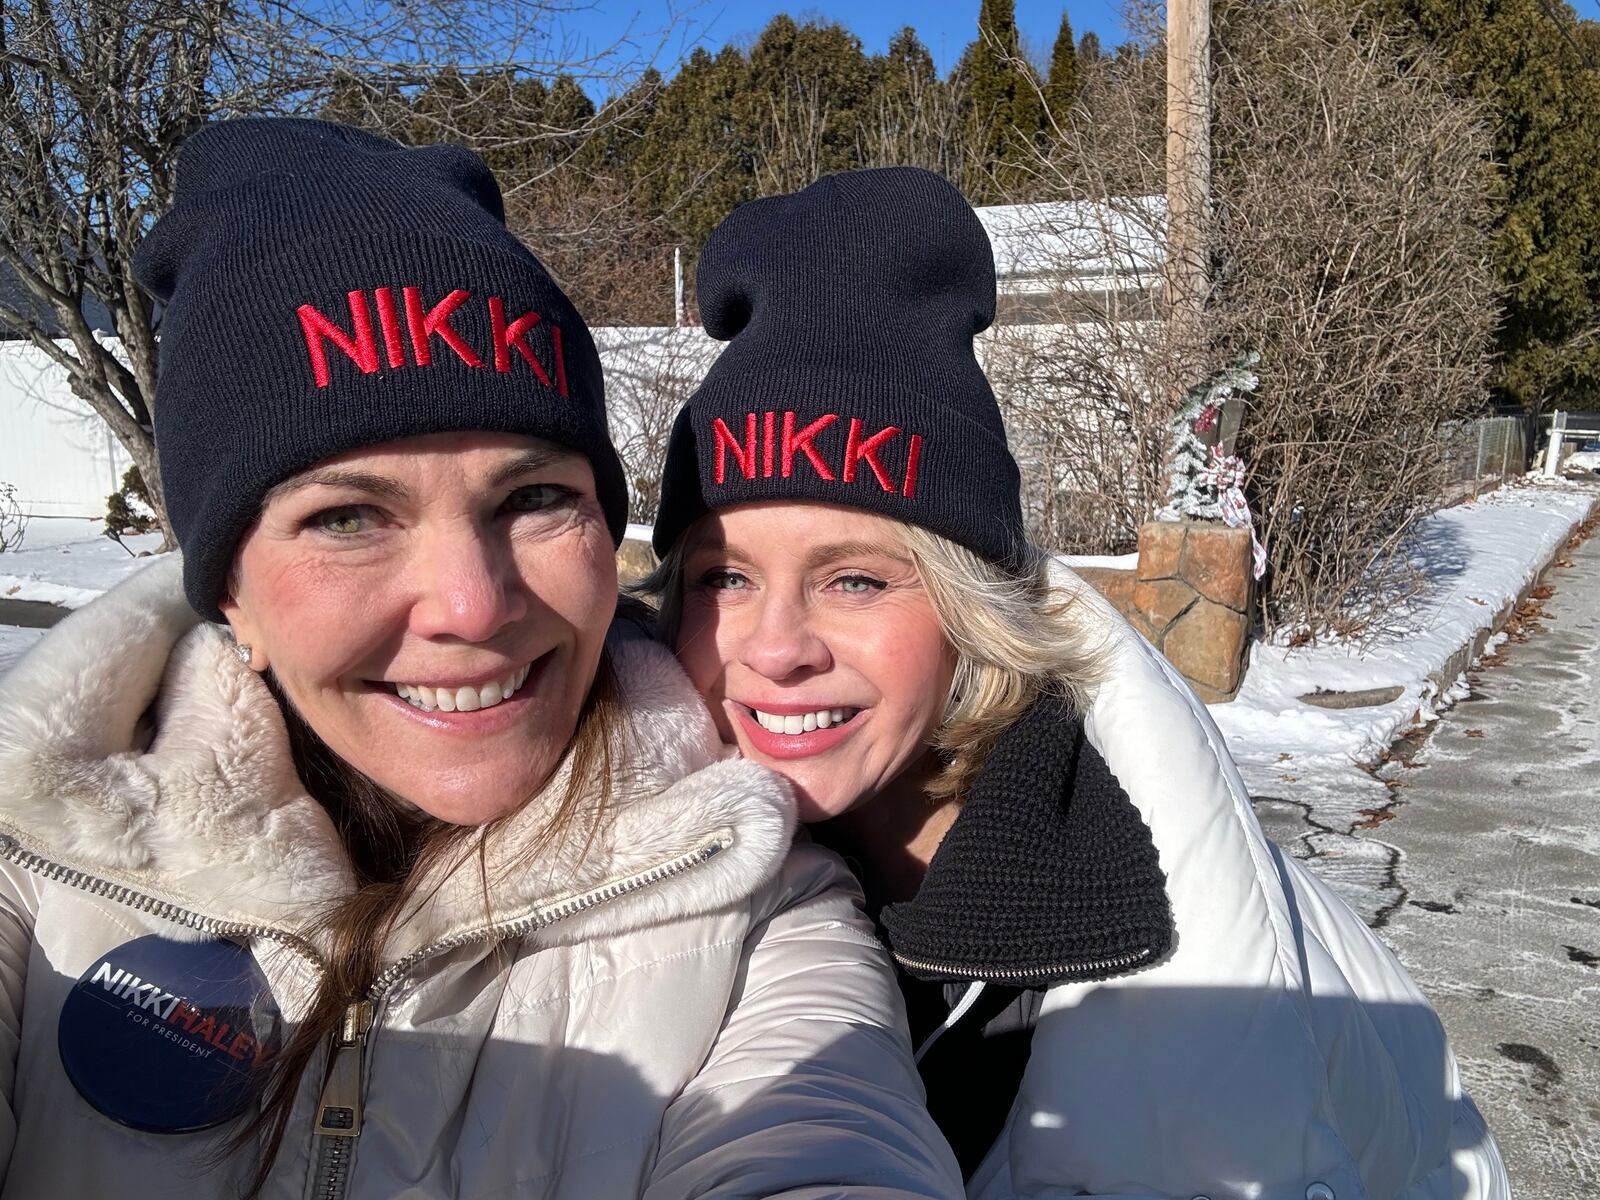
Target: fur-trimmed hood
134 748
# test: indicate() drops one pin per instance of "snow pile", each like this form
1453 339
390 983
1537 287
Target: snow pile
1476 557
68 561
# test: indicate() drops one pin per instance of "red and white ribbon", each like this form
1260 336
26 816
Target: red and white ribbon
1226 475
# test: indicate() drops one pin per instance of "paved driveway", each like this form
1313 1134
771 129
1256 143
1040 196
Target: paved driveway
1486 882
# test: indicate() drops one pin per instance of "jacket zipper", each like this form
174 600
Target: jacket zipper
339 1110
338 1119
11 851
1120 962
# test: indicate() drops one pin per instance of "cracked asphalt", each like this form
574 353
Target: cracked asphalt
1483 874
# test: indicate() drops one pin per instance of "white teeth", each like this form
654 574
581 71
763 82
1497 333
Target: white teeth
796 723
465 699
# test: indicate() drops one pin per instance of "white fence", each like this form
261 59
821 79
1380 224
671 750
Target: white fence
64 462
54 450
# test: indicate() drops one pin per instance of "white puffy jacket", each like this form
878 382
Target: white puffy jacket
680 1007
1279 1052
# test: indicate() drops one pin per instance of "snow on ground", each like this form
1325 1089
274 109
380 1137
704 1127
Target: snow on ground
14 643
1476 558
68 561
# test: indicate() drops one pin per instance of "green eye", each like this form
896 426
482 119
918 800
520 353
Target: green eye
350 519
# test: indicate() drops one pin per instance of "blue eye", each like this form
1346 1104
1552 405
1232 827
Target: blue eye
536 497
860 585
346 519
724 580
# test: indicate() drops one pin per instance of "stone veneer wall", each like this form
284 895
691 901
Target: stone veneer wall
1190 596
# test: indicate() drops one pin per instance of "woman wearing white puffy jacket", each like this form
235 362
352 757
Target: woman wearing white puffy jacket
422 880
1120 988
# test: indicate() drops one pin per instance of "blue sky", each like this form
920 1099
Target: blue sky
945 26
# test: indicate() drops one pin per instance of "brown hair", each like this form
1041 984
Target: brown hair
392 848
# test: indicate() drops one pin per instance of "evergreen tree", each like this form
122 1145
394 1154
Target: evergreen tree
1064 85
1524 60
692 165
1089 53
804 97
1004 97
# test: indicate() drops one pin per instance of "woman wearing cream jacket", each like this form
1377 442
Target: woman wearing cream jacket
415 881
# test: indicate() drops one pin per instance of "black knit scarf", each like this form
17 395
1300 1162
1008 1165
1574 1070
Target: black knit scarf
1048 876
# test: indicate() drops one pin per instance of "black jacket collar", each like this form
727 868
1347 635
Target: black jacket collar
1049 875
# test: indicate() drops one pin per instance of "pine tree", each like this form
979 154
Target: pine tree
805 94
1064 84
692 166
1004 96
1525 62
1089 53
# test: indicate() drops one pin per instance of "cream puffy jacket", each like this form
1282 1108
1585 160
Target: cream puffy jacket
680 1006
1278 1052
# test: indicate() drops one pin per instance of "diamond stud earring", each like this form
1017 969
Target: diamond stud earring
243 653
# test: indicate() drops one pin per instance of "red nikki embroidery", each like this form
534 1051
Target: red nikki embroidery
856 450
360 347
744 455
422 324
913 457
436 322
777 451
801 441
389 322
507 336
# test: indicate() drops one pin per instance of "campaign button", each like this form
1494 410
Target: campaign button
165 1036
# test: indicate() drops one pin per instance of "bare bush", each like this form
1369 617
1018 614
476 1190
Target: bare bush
1083 369
650 374
13 521
1087 373
1349 245
1352 236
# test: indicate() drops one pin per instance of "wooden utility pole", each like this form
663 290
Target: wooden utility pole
1187 279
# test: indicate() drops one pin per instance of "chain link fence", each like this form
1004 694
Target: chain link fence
1481 455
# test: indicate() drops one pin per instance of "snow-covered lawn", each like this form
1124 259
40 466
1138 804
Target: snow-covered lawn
68 561
1476 558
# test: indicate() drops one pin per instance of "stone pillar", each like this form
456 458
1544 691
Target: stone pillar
635 560
1191 598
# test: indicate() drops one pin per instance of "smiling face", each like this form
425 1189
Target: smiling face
807 630
434 608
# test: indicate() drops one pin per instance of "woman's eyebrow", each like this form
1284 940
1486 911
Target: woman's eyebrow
819 556
361 481
392 489
536 459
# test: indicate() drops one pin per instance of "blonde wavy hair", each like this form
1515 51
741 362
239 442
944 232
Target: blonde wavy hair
1016 634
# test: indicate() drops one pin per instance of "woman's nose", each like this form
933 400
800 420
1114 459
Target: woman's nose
782 641
467 586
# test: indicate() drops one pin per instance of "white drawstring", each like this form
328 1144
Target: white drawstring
974 990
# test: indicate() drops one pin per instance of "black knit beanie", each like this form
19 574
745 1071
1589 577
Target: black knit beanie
850 377
326 289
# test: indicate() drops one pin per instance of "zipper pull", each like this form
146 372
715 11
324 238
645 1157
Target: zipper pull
339 1110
